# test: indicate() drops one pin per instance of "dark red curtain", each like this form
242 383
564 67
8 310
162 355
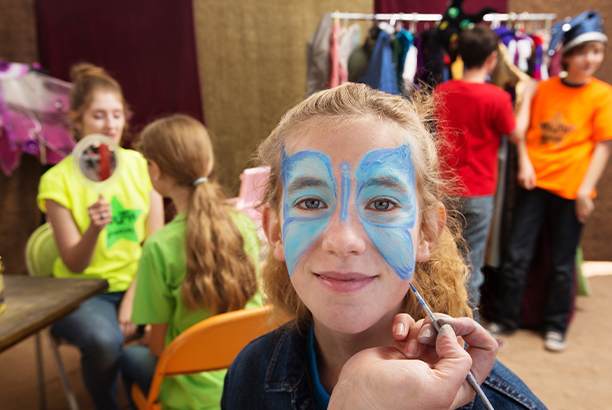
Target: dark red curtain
148 46
435 6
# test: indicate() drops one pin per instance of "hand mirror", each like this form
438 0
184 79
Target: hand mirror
96 160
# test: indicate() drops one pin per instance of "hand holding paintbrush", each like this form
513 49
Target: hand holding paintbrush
470 377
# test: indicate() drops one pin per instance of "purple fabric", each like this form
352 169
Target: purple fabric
149 47
33 114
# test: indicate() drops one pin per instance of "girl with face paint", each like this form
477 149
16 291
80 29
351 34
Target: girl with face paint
354 213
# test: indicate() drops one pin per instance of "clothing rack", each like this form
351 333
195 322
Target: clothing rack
494 18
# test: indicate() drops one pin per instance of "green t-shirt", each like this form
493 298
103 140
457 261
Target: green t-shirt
118 248
159 299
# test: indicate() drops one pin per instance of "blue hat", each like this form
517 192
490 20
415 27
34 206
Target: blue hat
573 31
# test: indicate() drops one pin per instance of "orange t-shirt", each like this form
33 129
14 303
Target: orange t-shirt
566 123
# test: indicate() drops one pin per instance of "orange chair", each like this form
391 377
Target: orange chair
211 344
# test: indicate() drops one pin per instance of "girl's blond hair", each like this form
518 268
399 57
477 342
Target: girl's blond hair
441 280
220 276
86 79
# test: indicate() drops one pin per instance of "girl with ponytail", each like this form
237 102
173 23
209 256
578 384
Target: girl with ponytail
202 263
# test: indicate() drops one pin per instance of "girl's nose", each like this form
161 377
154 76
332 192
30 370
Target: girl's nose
344 238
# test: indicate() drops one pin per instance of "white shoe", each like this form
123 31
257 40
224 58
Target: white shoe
555 341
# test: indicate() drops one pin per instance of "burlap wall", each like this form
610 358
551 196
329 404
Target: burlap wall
252 57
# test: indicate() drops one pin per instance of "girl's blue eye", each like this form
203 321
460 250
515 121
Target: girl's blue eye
381 205
312 203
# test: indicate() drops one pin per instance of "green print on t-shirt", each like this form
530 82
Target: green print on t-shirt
122 225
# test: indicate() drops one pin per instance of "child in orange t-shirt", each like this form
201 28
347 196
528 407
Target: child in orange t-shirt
560 161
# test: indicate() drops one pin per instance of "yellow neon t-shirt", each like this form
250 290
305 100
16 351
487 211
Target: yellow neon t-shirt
119 245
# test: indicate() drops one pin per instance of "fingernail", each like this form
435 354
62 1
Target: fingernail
445 328
399 329
412 349
425 333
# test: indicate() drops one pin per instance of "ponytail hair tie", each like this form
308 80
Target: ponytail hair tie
199 181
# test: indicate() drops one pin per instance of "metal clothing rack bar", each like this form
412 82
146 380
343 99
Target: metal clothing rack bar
418 17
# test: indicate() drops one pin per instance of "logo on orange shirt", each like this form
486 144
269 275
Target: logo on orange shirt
554 130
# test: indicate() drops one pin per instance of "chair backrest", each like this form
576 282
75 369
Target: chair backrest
252 186
41 252
211 344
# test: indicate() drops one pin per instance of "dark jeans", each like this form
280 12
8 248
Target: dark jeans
94 329
476 222
137 366
530 211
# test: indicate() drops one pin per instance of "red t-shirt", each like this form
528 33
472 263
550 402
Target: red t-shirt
471 118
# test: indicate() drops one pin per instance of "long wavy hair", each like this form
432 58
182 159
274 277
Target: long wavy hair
220 276
440 280
87 79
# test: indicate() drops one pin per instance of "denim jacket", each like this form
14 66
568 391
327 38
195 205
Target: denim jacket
272 373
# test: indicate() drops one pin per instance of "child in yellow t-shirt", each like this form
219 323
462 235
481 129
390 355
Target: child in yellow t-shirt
99 234
560 161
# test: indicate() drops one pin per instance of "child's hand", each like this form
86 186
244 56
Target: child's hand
100 214
526 176
583 207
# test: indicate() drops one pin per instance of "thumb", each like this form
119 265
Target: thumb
455 362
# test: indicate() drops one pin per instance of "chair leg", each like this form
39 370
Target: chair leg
72 403
39 369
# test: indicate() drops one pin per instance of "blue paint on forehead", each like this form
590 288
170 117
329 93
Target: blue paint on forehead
345 167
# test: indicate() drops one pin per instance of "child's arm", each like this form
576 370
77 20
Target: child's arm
153 223
526 174
584 204
77 250
523 113
155 219
124 316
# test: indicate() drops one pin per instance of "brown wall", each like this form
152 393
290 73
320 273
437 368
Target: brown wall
18 213
252 57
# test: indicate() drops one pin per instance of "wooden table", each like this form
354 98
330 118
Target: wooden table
34 303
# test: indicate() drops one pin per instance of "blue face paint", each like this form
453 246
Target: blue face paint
345 167
386 205
309 201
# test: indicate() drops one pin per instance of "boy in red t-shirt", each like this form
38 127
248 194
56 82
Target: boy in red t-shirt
565 152
472 116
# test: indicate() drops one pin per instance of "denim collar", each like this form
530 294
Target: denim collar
288 368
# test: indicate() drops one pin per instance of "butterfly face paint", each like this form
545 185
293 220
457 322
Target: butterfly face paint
309 201
386 205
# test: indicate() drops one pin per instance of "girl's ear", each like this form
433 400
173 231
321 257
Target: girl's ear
154 170
272 228
435 218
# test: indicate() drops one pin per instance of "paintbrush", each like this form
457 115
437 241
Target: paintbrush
470 377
